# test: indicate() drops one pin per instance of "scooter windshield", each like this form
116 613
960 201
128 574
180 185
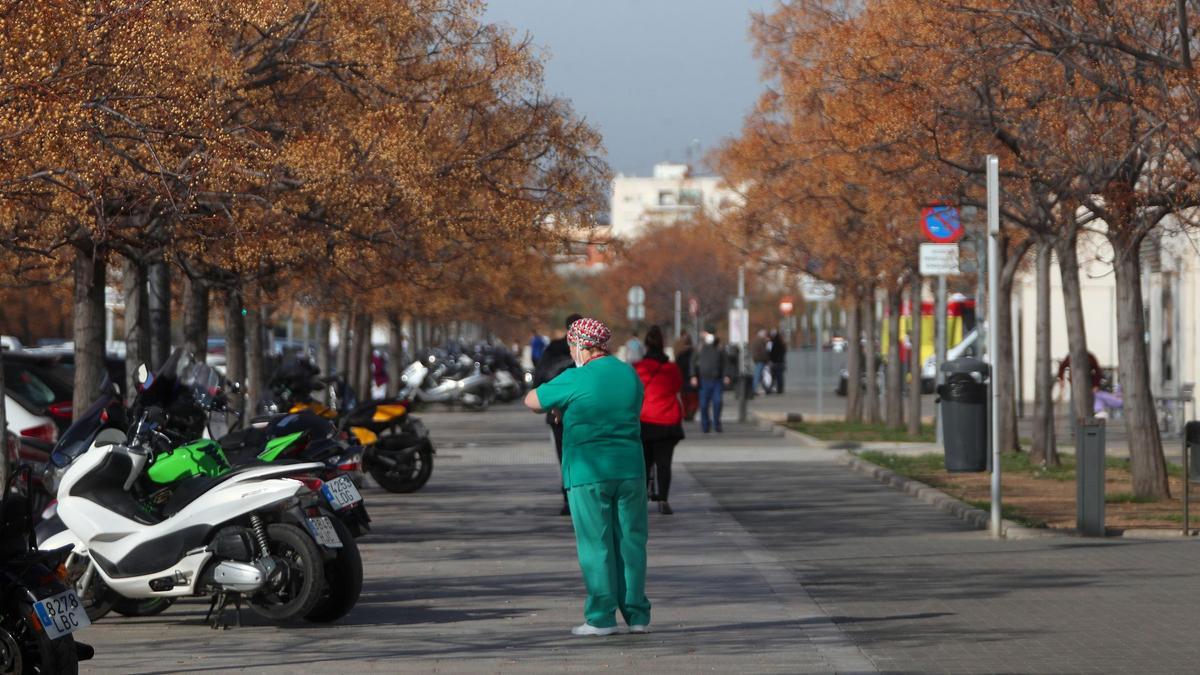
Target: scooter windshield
105 412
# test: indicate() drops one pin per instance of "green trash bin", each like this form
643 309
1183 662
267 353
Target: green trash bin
963 398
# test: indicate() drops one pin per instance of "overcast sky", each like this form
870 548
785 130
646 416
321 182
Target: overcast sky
652 75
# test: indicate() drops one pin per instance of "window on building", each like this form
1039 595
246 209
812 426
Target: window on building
691 197
667 198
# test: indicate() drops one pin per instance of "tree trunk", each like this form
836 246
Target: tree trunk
137 324
362 349
235 345
915 366
1145 446
159 302
89 327
395 363
895 369
343 349
1005 362
854 362
1081 387
1044 451
324 353
5 459
871 330
195 319
256 378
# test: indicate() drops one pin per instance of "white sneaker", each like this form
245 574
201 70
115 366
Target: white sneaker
639 628
589 629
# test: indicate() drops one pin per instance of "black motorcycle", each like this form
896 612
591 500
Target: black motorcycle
397 451
38 612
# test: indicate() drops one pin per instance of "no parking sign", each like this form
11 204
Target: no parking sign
941 224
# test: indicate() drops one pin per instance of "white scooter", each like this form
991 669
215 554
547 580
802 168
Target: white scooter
239 534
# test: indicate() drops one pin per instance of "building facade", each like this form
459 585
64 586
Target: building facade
671 195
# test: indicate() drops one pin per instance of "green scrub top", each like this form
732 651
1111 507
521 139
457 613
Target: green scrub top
602 435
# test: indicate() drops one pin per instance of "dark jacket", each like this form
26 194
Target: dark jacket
778 349
683 359
556 358
709 362
759 349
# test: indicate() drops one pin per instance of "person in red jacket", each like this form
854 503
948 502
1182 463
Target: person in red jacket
662 416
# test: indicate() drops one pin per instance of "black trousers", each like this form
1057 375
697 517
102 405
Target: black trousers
777 376
658 454
557 431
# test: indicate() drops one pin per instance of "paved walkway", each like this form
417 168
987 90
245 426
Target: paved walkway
777 560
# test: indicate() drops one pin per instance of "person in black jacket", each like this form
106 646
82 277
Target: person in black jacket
555 359
778 352
710 376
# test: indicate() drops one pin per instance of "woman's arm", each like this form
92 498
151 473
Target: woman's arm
532 402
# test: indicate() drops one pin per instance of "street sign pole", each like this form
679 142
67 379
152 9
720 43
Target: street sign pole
741 377
993 213
820 366
940 348
678 313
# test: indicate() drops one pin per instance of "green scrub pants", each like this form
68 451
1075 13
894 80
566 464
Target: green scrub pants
610 535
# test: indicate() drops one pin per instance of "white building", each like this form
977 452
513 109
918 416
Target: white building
671 195
1170 289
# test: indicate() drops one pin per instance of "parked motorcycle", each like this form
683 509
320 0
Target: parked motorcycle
438 379
253 533
38 612
191 392
397 451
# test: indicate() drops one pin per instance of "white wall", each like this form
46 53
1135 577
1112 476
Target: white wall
1099 307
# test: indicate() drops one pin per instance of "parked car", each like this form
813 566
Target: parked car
27 424
39 387
62 361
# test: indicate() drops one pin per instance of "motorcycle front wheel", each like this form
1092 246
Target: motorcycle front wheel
404 476
141 607
99 599
295 587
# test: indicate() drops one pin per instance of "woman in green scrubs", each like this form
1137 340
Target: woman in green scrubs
605 475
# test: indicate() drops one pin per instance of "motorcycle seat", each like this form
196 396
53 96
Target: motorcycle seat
191 489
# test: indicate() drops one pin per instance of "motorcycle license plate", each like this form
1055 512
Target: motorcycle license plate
340 493
61 614
322 530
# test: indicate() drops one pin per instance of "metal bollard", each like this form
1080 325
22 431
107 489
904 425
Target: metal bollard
1191 467
1089 477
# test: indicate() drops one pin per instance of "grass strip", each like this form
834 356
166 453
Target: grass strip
836 430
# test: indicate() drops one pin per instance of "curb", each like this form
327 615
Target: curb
980 519
977 518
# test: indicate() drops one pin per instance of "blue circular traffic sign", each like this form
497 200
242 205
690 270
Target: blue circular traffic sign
941 224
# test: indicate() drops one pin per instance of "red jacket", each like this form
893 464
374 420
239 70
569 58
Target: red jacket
662 381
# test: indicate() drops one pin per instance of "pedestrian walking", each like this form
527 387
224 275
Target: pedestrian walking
634 351
555 359
379 376
600 402
683 359
537 345
662 417
760 353
778 356
708 375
